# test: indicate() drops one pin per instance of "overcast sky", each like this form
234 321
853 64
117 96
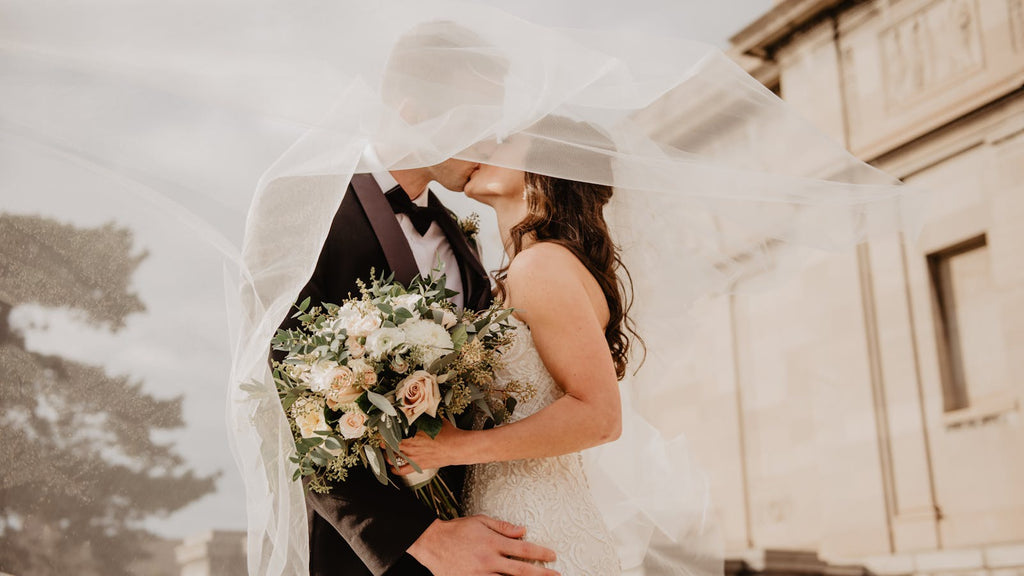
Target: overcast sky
710 21
183 332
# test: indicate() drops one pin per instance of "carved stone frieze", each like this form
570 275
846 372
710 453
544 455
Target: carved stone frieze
930 49
1016 14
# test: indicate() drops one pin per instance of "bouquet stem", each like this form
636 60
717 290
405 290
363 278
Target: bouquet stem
431 489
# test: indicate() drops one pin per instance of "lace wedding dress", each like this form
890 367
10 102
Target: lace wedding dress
549 496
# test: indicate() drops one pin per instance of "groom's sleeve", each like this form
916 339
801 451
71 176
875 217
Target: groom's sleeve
379 522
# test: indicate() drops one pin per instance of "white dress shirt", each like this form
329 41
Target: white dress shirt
431 249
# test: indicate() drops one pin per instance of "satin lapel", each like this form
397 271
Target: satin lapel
475 281
386 228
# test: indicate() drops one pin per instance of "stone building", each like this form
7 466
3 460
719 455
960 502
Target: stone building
866 416
212 553
869 411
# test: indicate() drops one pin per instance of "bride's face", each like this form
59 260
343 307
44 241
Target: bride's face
491 182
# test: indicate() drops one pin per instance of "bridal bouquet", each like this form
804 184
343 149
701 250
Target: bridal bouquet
361 376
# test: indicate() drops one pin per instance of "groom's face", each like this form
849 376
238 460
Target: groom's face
453 173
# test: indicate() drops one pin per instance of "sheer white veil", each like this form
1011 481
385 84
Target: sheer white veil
246 120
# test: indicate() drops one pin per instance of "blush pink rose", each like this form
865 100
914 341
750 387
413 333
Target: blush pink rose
419 394
352 425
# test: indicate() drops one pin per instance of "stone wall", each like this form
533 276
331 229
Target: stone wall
870 409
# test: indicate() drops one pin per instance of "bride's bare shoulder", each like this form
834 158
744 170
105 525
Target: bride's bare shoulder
544 263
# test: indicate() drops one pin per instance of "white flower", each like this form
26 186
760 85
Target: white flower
308 413
418 394
408 301
449 320
432 340
365 325
384 340
346 317
352 425
427 333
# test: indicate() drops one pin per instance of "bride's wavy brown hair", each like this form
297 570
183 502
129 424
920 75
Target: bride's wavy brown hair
571 214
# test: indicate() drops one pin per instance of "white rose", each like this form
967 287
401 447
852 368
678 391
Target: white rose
364 325
352 425
384 340
418 394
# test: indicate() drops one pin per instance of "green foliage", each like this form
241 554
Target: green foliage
81 468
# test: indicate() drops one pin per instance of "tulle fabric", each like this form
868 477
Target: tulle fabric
244 121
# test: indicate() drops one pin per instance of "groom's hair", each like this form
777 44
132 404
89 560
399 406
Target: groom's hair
437 67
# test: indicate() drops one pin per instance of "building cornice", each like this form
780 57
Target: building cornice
773 29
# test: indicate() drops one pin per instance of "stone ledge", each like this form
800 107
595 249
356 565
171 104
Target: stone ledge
1011 555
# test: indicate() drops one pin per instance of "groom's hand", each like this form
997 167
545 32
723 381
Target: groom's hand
479 545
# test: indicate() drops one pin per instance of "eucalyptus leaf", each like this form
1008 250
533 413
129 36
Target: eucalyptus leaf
411 462
390 437
484 407
442 363
459 336
381 403
376 461
429 424
318 458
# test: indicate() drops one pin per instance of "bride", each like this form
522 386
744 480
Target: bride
564 279
748 181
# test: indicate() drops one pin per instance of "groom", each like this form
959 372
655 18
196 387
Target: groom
391 223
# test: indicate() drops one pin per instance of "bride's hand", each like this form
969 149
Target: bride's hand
427 452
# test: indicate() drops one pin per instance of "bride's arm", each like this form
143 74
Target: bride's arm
548 288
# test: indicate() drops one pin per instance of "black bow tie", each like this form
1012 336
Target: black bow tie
421 216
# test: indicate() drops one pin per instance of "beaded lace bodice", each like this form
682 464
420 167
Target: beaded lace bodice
549 496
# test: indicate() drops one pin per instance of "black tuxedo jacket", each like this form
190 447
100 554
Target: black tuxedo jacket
362 527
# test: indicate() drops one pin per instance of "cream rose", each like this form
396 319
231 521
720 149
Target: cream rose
419 394
355 347
321 374
309 416
400 365
352 425
365 375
